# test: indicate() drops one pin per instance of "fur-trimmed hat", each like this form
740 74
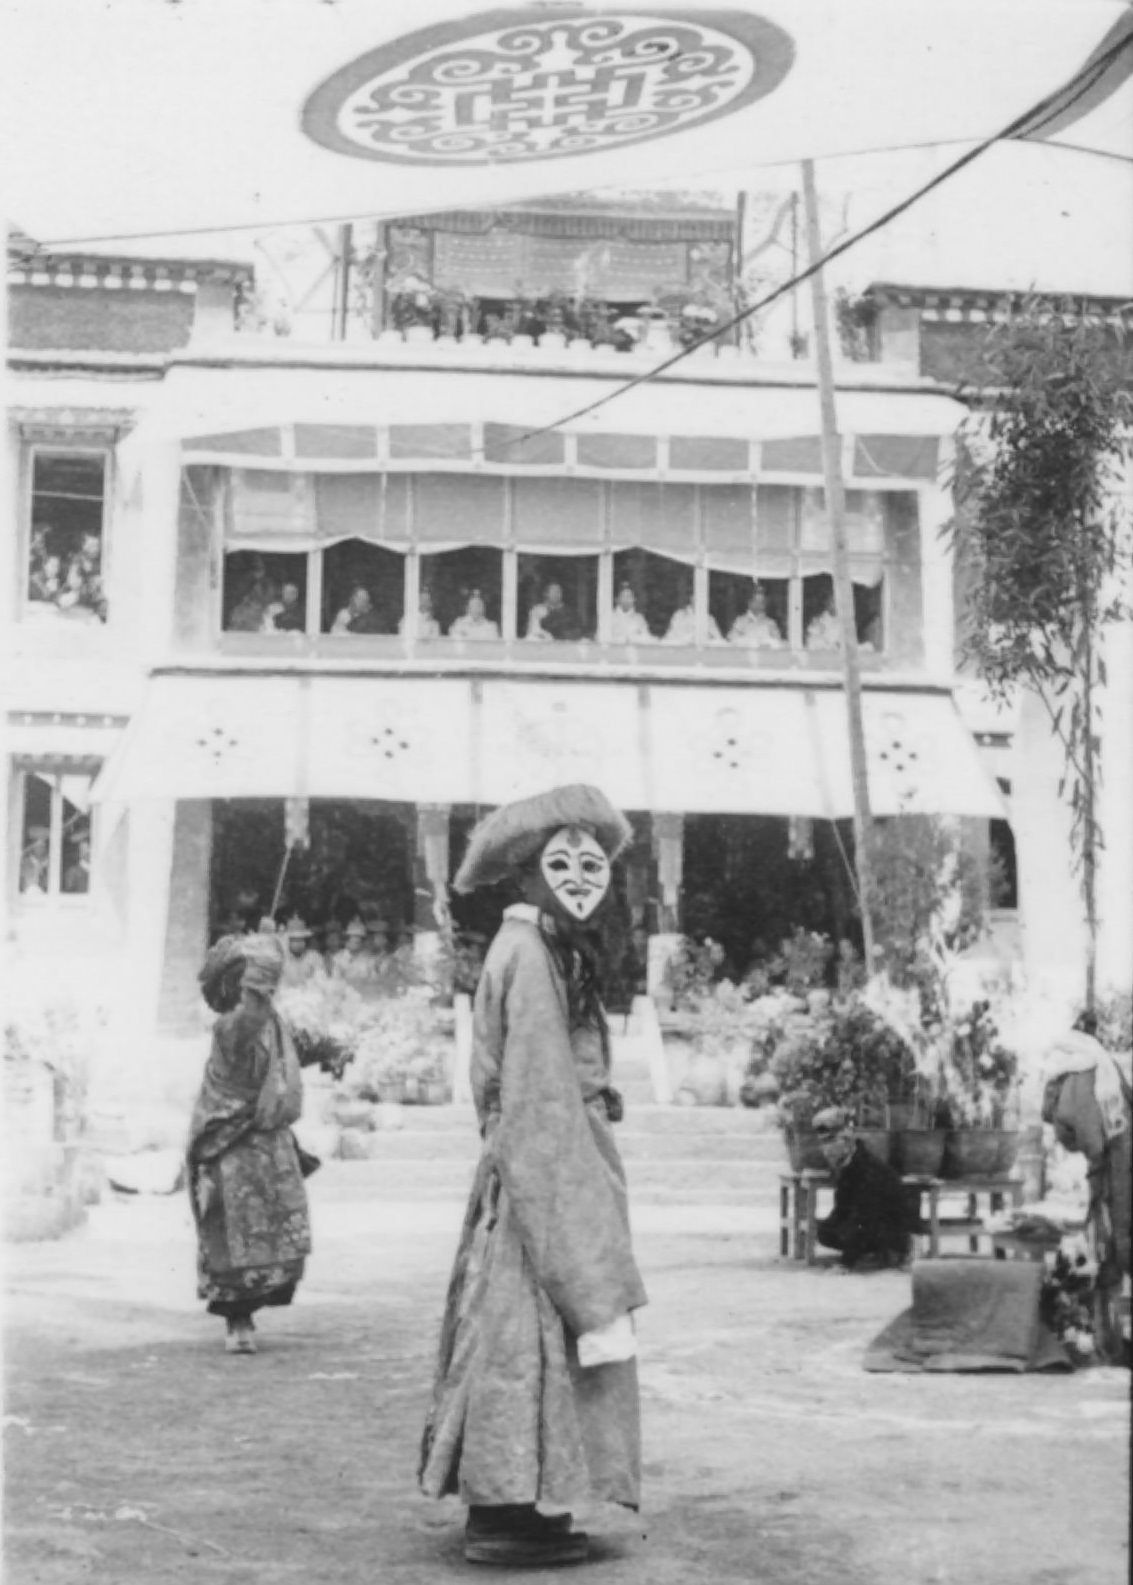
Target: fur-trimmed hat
514 833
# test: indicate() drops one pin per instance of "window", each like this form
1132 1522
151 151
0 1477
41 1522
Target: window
363 589
558 597
65 545
461 593
264 592
750 614
55 835
650 591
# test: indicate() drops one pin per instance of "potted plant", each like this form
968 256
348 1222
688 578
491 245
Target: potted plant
413 307
839 1052
324 1018
720 1025
398 1031
979 1077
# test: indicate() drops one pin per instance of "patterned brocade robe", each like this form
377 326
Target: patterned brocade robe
245 1184
544 1256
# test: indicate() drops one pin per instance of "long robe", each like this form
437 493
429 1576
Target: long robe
245 1184
544 1256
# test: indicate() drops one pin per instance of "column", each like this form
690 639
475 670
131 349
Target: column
668 853
935 506
431 918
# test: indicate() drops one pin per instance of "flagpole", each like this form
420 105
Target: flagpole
843 586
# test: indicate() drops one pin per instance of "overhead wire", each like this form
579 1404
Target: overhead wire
1030 121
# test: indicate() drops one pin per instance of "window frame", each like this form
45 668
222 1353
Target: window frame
55 768
32 448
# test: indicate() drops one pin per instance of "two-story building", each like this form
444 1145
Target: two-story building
356 592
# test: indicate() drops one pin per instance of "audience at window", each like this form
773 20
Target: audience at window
753 628
627 625
475 623
65 574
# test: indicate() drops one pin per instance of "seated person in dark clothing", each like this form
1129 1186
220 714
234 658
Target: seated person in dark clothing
552 619
873 1217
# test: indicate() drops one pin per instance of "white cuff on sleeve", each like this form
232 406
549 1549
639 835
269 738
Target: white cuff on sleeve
608 1345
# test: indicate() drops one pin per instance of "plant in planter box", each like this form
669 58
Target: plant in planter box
718 1019
978 1082
840 1052
324 1019
398 1031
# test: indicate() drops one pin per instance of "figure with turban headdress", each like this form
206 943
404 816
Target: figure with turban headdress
535 1400
244 1163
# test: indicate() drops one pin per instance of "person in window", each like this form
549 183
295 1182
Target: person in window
824 631
90 555
75 597
332 944
874 1216
286 615
427 624
355 963
36 860
475 623
46 580
753 628
554 620
76 877
358 614
682 627
300 965
627 625
250 613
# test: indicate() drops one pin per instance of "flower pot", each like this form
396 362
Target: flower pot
707 1078
972 1153
878 1141
436 1093
392 1092
919 1152
419 333
1009 1141
804 1151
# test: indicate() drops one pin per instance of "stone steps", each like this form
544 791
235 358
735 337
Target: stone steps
686 1121
650 1183
410 1144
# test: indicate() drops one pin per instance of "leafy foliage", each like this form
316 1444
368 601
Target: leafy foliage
1044 535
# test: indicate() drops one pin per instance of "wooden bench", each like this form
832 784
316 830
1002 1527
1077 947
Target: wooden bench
798 1212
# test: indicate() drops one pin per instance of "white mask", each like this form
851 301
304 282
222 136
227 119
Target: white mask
576 870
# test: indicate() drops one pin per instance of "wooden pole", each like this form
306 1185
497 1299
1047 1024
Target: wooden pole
342 283
843 587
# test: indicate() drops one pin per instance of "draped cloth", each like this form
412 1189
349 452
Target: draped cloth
544 1257
245 1185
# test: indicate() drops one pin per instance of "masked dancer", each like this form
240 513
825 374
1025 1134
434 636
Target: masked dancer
535 1405
245 1166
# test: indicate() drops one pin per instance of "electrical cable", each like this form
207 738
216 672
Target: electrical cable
1031 120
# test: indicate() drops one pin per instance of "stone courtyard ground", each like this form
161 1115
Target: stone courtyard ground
139 1453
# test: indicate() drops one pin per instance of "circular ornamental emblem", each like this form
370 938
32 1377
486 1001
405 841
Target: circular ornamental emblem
513 85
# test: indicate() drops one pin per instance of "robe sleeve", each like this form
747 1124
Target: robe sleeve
567 1194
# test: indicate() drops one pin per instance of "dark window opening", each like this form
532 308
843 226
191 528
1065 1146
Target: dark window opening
363 589
1004 887
264 593
649 591
461 593
65 548
55 835
558 597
